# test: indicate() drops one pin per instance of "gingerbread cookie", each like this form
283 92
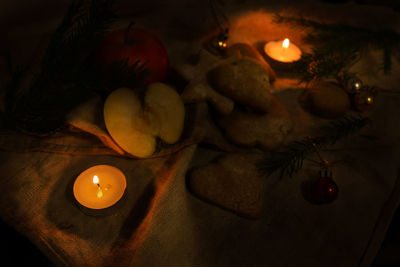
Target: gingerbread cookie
245 81
243 50
232 182
251 129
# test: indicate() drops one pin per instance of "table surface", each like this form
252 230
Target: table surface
159 222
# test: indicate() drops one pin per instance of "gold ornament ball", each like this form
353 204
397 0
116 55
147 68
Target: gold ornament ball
363 100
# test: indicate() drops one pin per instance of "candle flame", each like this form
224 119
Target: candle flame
95 179
285 43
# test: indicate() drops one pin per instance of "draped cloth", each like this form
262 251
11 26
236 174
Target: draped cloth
158 222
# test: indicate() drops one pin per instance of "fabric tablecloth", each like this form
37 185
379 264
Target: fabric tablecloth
159 222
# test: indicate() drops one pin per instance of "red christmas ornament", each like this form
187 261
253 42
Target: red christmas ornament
325 190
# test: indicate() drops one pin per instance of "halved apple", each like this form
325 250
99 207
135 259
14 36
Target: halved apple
127 124
167 106
135 127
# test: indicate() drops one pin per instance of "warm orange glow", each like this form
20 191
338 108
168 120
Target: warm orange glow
92 193
370 100
282 51
286 43
95 179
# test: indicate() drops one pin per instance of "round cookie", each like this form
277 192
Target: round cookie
232 182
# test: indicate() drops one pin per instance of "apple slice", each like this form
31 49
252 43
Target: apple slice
129 125
167 106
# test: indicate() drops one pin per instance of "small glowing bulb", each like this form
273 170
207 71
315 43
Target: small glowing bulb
222 44
95 179
286 43
369 100
357 85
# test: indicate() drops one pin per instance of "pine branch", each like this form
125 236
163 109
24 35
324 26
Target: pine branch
290 161
82 27
286 162
338 46
339 129
320 64
66 77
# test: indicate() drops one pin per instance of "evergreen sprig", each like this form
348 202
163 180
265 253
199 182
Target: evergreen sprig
66 76
289 161
84 24
338 46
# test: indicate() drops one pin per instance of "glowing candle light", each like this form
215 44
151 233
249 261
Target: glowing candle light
283 51
96 179
99 187
286 43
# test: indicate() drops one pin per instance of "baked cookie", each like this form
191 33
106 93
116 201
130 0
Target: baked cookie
250 129
243 50
232 182
245 81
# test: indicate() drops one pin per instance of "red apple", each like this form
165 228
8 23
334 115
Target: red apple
135 44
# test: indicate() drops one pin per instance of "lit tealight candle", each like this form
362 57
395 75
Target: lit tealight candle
282 51
99 187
